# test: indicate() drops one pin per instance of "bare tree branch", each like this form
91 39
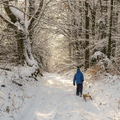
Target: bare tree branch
7 20
70 7
36 15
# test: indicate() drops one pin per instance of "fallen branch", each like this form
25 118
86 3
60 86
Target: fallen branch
3 86
3 68
16 83
33 77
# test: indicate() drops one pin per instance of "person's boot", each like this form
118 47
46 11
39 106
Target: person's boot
80 95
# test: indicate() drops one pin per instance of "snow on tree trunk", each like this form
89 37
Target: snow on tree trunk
27 52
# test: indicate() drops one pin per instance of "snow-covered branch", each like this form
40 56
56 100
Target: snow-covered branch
7 20
19 10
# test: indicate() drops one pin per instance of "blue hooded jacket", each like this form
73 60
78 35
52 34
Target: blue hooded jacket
78 77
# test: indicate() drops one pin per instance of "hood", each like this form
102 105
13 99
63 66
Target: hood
78 71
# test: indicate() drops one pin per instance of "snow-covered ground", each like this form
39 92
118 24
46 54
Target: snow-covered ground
53 97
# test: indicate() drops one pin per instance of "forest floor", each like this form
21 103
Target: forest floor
53 97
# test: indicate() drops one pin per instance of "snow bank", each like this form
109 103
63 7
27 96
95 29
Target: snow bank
15 98
105 93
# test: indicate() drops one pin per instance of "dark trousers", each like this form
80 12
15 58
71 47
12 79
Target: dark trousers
79 89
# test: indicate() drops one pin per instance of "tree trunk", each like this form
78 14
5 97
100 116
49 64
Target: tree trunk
86 36
31 12
113 45
110 31
93 21
101 7
19 45
28 57
24 49
20 49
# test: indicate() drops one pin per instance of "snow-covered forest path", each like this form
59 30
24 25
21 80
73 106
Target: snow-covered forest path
55 99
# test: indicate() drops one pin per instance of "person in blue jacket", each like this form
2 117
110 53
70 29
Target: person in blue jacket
78 78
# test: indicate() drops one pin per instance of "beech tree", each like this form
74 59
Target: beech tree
110 30
23 20
86 35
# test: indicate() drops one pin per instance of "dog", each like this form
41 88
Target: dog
87 95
